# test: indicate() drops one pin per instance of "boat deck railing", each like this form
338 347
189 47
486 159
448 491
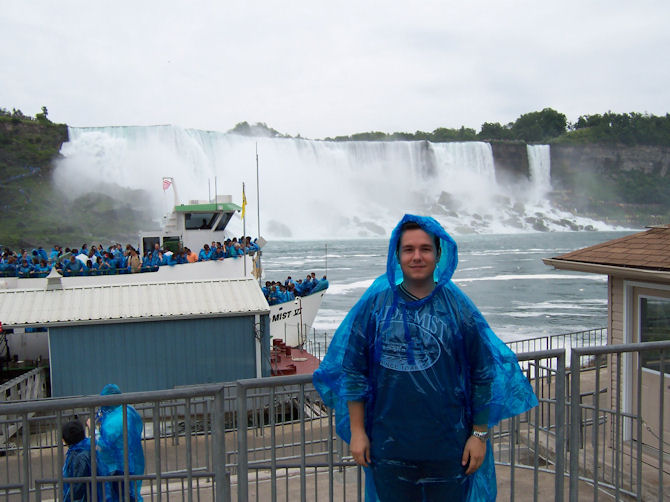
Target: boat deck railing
600 431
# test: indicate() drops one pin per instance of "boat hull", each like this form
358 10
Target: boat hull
292 321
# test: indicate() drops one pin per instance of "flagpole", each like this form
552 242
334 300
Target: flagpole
258 197
244 227
167 183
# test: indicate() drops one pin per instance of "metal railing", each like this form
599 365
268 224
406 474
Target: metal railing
29 386
587 338
617 427
272 438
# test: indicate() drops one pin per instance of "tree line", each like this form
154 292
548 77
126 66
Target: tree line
546 126
17 116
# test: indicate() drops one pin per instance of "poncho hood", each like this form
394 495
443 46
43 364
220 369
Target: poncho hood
447 262
107 390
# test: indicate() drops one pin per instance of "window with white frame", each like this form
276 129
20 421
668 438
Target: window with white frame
655 327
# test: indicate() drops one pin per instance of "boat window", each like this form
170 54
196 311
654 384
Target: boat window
654 327
204 221
224 221
148 243
172 243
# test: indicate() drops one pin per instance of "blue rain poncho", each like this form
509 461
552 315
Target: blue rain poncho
110 444
78 465
427 370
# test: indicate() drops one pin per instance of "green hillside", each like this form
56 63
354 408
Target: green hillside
34 212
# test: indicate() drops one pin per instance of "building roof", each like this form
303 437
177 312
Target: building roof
131 302
647 253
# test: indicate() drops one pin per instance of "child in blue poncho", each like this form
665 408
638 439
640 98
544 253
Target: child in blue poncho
77 463
416 377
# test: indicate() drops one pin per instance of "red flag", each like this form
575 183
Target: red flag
166 183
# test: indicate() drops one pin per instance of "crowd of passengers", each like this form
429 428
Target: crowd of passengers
276 292
114 259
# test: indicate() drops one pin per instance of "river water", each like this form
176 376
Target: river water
504 275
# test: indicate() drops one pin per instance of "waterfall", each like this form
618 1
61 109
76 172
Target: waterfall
539 165
308 188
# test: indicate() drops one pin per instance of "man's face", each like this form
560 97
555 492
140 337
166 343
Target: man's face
417 255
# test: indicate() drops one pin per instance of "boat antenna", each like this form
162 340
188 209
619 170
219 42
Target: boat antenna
326 259
209 190
216 193
258 197
258 219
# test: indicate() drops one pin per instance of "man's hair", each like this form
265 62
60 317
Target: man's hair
73 432
413 225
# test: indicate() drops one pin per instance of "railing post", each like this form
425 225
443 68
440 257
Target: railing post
575 424
157 448
126 456
661 407
221 479
560 427
242 459
273 442
188 432
303 451
25 495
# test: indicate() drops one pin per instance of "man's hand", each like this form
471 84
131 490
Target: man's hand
360 447
360 443
474 452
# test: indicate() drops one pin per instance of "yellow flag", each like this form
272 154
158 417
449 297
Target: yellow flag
244 202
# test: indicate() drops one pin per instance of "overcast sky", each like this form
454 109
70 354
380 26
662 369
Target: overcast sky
328 68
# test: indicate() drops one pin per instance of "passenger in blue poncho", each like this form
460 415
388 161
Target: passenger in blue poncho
77 463
110 441
416 377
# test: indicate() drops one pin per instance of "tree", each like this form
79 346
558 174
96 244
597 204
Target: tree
42 117
539 126
493 130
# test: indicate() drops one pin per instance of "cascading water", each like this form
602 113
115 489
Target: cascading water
539 165
317 189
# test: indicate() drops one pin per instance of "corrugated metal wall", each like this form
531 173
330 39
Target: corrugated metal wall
154 355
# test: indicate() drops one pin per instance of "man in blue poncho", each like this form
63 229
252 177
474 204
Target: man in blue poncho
110 441
417 377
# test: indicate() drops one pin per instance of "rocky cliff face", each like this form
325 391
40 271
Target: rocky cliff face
511 161
34 212
608 160
29 143
625 185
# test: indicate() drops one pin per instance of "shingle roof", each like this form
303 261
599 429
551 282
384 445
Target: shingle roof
648 250
131 302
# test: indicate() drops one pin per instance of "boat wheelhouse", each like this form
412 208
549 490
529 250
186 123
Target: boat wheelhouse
192 225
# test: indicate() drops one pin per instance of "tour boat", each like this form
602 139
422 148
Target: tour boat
192 225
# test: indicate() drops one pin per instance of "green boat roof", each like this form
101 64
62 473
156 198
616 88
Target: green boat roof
207 208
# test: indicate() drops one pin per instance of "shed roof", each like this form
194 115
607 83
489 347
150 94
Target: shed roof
645 252
131 302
